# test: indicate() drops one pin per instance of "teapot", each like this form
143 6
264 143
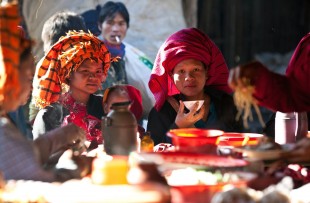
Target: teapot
119 130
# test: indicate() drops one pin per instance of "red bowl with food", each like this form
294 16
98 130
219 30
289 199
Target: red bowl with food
195 140
239 139
199 193
203 191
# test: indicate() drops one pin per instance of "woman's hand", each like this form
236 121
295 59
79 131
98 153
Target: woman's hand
244 75
59 140
187 120
300 153
71 166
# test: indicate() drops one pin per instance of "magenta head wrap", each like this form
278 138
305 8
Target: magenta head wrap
185 44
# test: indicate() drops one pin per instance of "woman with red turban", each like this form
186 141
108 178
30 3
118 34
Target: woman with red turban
189 66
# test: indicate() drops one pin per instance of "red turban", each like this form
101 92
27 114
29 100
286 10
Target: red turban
185 44
134 95
13 43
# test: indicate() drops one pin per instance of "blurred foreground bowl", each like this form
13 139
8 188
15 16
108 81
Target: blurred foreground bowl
239 139
203 193
195 140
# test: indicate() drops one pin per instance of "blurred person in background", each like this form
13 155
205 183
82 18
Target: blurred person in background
21 158
132 67
124 93
285 93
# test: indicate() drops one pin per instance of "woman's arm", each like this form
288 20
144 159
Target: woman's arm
159 123
47 119
58 140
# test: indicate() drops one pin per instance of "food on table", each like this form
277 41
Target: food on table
264 144
190 176
275 197
146 144
26 191
232 195
244 101
265 149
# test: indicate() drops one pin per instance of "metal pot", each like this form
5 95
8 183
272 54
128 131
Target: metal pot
119 130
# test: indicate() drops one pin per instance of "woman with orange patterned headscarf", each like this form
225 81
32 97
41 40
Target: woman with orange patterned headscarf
65 83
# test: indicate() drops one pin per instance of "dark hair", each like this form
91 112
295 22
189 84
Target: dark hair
59 24
110 9
25 53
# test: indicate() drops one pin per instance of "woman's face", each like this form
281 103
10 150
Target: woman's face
26 73
26 77
189 76
116 96
87 78
114 29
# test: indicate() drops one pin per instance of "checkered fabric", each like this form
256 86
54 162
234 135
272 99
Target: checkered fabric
9 51
63 58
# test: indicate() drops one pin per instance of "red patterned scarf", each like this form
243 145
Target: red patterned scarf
79 116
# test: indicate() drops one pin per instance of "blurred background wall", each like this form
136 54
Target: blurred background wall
151 21
243 28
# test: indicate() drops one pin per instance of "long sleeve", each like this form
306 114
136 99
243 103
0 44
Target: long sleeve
285 93
58 139
47 119
290 92
18 156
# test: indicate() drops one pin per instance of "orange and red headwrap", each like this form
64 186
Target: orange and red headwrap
64 57
12 45
135 96
185 44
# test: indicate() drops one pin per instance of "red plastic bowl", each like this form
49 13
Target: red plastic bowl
239 139
198 193
195 140
204 193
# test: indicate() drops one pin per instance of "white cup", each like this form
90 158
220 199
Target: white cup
285 127
290 127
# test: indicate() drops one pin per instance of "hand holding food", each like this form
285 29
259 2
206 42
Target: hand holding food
242 79
244 75
59 140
